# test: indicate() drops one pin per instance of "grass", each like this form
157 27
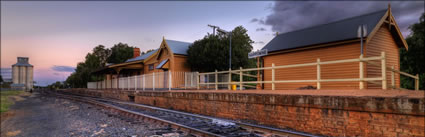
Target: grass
5 102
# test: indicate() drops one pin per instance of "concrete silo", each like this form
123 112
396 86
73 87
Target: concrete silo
22 74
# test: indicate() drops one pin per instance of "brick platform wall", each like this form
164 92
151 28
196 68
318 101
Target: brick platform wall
321 115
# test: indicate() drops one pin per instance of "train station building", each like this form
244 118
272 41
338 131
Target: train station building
154 67
334 41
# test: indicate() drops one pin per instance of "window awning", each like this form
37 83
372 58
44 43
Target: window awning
162 64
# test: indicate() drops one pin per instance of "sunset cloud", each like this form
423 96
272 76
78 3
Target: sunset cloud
63 68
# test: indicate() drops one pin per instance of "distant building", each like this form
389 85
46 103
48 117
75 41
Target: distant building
22 74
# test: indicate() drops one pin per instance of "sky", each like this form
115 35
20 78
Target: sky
56 35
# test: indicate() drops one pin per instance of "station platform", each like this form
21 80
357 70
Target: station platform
352 93
319 112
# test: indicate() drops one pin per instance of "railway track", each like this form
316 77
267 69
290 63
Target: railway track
194 124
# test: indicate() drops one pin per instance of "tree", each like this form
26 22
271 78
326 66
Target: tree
1 78
212 52
144 52
57 85
120 53
411 60
102 53
95 60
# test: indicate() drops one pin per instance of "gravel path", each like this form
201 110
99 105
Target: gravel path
44 116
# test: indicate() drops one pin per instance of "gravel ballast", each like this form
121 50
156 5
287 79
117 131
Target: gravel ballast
44 116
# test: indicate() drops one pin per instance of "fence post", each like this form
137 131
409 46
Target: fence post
128 83
143 82
361 73
169 80
153 81
135 82
197 80
417 82
185 80
240 78
318 73
230 79
216 80
273 77
122 83
392 77
383 71
208 81
191 80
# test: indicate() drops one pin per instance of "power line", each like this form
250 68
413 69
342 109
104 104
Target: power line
214 27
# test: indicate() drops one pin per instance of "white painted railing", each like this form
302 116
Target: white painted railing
208 84
153 81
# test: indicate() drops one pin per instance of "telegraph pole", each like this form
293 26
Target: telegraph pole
230 44
214 27
230 39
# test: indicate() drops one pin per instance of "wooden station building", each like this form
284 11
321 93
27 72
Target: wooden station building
335 41
170 56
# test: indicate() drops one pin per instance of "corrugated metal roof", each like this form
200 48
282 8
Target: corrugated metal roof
345 29
161 64
178 47
142 57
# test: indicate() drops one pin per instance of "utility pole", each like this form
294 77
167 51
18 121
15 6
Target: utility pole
230 46
214 27
230 39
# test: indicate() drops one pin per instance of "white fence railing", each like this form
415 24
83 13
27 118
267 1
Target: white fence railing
154 81
382 78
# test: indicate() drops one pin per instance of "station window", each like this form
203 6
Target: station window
150 66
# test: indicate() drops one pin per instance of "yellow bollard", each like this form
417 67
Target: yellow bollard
234 87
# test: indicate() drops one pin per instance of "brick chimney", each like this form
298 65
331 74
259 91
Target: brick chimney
136 52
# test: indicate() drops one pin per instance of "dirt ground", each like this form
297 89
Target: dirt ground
44 116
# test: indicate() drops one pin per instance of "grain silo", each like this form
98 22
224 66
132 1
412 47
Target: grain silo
22 74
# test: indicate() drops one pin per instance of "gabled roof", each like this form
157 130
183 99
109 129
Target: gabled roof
345 29
178 47
142 57
162 63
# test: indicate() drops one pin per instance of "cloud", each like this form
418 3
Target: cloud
292 15
260 42
254 20
260 21
63 68
261 29
6 73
